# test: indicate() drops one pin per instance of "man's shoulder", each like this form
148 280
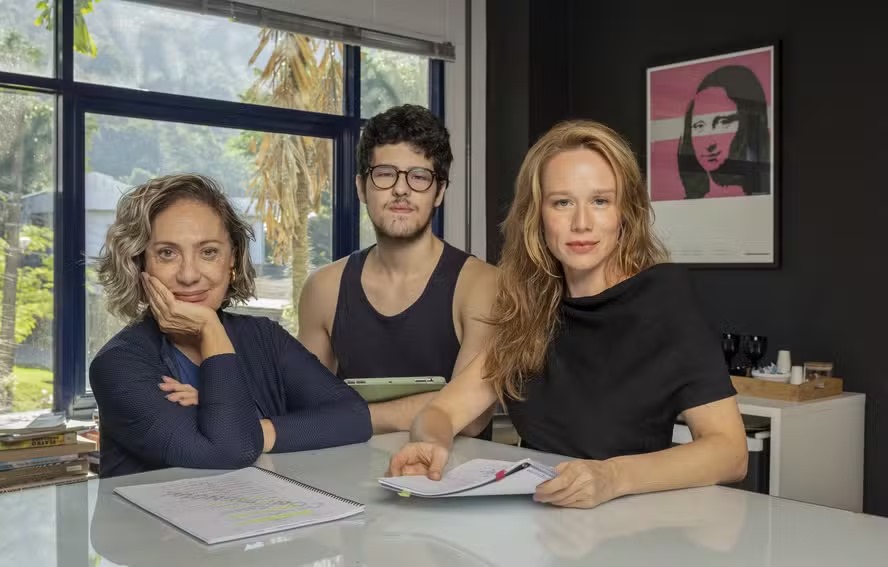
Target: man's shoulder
331 272
476 271
476 286
323 283
473 267
320 294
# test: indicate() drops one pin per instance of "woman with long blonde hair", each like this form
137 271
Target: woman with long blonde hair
598 345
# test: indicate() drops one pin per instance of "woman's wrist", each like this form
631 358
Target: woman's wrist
432 426
620 481
269 435
214 340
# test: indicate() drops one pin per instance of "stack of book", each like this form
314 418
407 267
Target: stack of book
93 435
42 450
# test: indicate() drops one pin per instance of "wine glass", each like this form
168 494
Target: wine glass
755 348
730 346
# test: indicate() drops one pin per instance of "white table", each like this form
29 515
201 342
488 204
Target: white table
86 525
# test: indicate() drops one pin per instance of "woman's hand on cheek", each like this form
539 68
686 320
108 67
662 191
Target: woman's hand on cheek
174 316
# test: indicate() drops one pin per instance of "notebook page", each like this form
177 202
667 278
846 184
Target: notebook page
522 482
467 477
242 503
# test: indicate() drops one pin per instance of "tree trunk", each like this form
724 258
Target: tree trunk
300 249
12 226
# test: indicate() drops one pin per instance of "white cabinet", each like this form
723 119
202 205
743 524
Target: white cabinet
816 448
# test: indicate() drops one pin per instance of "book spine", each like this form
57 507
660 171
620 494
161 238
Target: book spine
47 441
6 466
44 472
50 482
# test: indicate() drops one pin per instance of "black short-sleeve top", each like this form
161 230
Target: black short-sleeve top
622 366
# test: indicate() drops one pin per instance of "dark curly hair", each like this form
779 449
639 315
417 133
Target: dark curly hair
410 124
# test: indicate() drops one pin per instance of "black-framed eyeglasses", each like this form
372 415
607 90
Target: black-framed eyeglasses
386 176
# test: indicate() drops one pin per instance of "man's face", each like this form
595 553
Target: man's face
397 205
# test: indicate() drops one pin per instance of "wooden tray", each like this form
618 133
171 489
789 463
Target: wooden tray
820 388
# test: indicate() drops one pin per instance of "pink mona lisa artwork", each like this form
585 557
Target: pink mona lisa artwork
709 130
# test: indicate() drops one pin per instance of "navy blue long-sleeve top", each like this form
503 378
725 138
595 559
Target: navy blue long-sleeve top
271 375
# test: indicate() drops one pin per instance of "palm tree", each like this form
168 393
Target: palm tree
293 171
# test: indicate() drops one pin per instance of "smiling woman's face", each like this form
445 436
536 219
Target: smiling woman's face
581 217
190 252
714 125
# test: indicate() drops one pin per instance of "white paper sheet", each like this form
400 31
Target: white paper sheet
242 503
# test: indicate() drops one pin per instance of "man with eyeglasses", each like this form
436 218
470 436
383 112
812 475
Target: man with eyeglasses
410 305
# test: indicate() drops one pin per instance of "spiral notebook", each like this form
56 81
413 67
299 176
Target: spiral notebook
478 477
239 504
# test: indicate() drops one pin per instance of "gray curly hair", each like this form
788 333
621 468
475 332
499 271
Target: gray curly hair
121 259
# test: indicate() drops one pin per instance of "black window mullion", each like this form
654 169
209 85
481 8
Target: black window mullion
69 330
64 41
436 105
346 206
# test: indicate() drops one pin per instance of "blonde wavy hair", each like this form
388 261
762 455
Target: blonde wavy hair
121 260
531 280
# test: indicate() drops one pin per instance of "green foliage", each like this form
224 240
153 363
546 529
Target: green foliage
16 51
34 289
389 78
26 128
32 389
134 150
83 41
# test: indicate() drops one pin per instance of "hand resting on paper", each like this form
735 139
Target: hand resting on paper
579 484
419 458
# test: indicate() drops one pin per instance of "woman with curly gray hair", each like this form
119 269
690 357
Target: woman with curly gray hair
175 257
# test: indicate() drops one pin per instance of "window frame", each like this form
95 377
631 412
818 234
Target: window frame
74 100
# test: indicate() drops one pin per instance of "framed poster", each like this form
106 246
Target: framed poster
712 159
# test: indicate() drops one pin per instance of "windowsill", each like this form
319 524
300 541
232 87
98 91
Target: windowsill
83 407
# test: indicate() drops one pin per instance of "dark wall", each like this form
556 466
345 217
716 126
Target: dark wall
827 299
507 94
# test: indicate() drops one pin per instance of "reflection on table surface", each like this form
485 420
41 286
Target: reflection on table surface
87 524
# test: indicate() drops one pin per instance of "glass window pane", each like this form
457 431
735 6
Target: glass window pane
165 50
366 232
26 40
390 78
252 167
27 192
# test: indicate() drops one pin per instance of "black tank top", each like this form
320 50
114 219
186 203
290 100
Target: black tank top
419 341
